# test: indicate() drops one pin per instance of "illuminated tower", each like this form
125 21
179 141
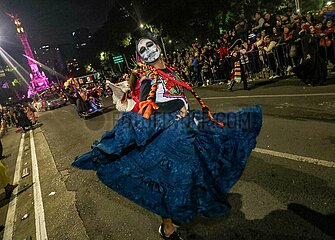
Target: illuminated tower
38 80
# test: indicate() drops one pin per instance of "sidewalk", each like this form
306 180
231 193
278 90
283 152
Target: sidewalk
11 142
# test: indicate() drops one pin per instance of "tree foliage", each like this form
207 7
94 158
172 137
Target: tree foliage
181 21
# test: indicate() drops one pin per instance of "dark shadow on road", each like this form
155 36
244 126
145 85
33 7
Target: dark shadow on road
24 188
4 200
326 223
288 81
263 83
235 226
294 189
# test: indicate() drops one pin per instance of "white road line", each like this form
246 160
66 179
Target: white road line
9 225
41 231
269 96
296 157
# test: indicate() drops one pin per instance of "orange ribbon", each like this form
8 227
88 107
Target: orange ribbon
209 114
147 106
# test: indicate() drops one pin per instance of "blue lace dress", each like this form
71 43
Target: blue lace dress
176 169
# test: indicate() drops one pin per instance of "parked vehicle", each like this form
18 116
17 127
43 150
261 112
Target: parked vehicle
52 101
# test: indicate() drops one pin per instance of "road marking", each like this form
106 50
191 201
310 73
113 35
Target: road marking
270 96
9 226
296 157
41 231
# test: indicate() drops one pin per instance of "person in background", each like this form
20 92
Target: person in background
270 48
30 112
3 129
269 23
22 119
239 61
259 21
313 68
291 15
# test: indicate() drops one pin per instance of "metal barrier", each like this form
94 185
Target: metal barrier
263 65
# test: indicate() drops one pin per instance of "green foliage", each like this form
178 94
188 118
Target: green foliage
310 5
180 21
89 68
229 18
127 40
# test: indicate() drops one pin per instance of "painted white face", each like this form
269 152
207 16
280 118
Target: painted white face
148 50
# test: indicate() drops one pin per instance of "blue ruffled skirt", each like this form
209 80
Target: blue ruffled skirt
176 169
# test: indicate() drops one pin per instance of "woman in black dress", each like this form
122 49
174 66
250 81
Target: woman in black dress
313 69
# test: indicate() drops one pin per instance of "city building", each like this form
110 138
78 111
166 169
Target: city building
73 66
51 57
82 42
82 38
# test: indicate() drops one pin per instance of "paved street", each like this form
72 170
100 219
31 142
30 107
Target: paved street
286 192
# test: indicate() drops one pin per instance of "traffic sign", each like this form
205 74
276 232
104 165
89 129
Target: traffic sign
118 59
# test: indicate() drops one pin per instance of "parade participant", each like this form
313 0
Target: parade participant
121 98
22 119
30 111
240 61
313 68
4 179
174 162
81 100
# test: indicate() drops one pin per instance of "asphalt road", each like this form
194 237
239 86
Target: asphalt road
286 192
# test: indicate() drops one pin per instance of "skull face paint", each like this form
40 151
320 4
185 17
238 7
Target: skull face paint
148 50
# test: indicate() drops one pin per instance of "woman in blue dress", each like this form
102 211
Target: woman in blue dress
172 161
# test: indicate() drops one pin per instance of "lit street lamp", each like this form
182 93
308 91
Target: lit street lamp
297 6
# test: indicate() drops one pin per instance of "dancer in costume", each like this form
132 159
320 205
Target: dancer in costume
121 98
174 162
240 61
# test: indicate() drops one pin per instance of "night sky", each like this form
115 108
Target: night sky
50 21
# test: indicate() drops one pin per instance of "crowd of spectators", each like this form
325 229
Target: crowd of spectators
20 116
271 43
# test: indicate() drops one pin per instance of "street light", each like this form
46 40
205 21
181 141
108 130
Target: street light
170 41
297 6
142 25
